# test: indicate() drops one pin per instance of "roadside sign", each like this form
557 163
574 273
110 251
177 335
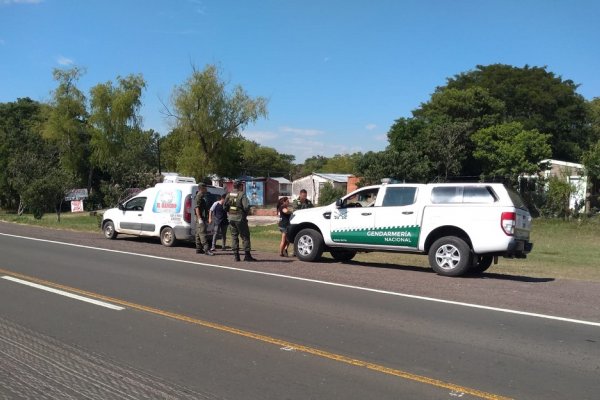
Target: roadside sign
76 206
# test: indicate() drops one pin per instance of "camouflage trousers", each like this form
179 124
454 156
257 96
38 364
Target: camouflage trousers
240 228
201 239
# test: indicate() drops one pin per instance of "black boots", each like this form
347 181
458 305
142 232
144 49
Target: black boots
236 256
248 257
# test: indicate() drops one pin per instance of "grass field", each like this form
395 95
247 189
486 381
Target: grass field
562 249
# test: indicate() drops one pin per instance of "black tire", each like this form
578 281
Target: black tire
481 264
108 229
308 245
167 237
342 254
450 256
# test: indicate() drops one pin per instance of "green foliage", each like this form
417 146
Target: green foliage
374 166
310 165
260 160
342 164
328 194
509 150
538 99
210 118
591 161
67 124
557 199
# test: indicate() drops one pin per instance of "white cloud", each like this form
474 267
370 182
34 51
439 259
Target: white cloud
260 136
370 127
62 60
9 2
302 132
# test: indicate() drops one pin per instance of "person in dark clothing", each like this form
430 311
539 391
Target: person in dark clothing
218 217
201 210
284 211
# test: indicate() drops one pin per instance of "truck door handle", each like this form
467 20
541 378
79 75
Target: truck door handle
407 212
139 215
365 214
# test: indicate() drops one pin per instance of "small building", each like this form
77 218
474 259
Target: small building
315 181
571 173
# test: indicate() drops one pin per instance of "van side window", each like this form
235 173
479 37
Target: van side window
463 194
399 196
136 204
478 194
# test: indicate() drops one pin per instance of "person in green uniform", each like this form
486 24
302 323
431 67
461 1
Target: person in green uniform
302 201
201 210
238 207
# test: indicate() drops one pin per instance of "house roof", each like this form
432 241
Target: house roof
334 177
281 179
562 163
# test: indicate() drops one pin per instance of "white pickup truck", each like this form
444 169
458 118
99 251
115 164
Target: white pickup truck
462 227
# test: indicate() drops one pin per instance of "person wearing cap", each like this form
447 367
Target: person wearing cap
238 207
202 210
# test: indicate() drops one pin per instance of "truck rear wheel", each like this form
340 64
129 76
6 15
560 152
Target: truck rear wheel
308 245
342 254
450 256
481 264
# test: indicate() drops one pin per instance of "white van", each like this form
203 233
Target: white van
165 211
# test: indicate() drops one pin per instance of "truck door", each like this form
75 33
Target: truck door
396 219
131 221
352 222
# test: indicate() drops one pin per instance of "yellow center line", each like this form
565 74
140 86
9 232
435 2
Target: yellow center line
268 339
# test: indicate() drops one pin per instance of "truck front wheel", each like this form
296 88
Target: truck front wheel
308 245
450 256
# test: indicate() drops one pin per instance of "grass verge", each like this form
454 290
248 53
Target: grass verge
562 249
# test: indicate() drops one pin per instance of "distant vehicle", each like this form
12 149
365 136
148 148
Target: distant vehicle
165 211
461 227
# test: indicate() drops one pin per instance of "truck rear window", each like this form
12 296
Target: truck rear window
463 194
516 199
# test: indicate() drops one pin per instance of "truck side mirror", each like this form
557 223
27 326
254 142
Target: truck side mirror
339 203
121 207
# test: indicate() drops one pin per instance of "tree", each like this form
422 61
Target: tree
591 161
124 153
328 194
211 118
374 166
538 99
20 126
67 125
509 150
310 165
260 160
342 164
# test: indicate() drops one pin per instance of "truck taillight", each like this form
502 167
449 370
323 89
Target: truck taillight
187 209
508 221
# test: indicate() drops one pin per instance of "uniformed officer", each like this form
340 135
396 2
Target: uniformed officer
302 201
238 207
201 210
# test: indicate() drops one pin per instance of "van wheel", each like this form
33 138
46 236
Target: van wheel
482 264
167 237
109 230
450 256
342 255
308 245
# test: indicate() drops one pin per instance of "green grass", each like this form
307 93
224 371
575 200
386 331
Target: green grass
562 249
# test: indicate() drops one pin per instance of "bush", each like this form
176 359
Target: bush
328 194
557 199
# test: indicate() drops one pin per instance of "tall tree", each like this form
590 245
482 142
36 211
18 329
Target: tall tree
67 125
538 99
212 117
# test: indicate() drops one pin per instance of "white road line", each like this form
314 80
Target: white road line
62 293
365 289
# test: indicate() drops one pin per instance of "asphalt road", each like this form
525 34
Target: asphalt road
188 330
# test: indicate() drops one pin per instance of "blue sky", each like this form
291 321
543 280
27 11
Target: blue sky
336 73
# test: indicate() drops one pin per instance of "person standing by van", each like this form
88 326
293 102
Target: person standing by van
201 210
238 207
284 211
218 217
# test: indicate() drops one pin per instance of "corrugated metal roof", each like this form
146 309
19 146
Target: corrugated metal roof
281 179
335 177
